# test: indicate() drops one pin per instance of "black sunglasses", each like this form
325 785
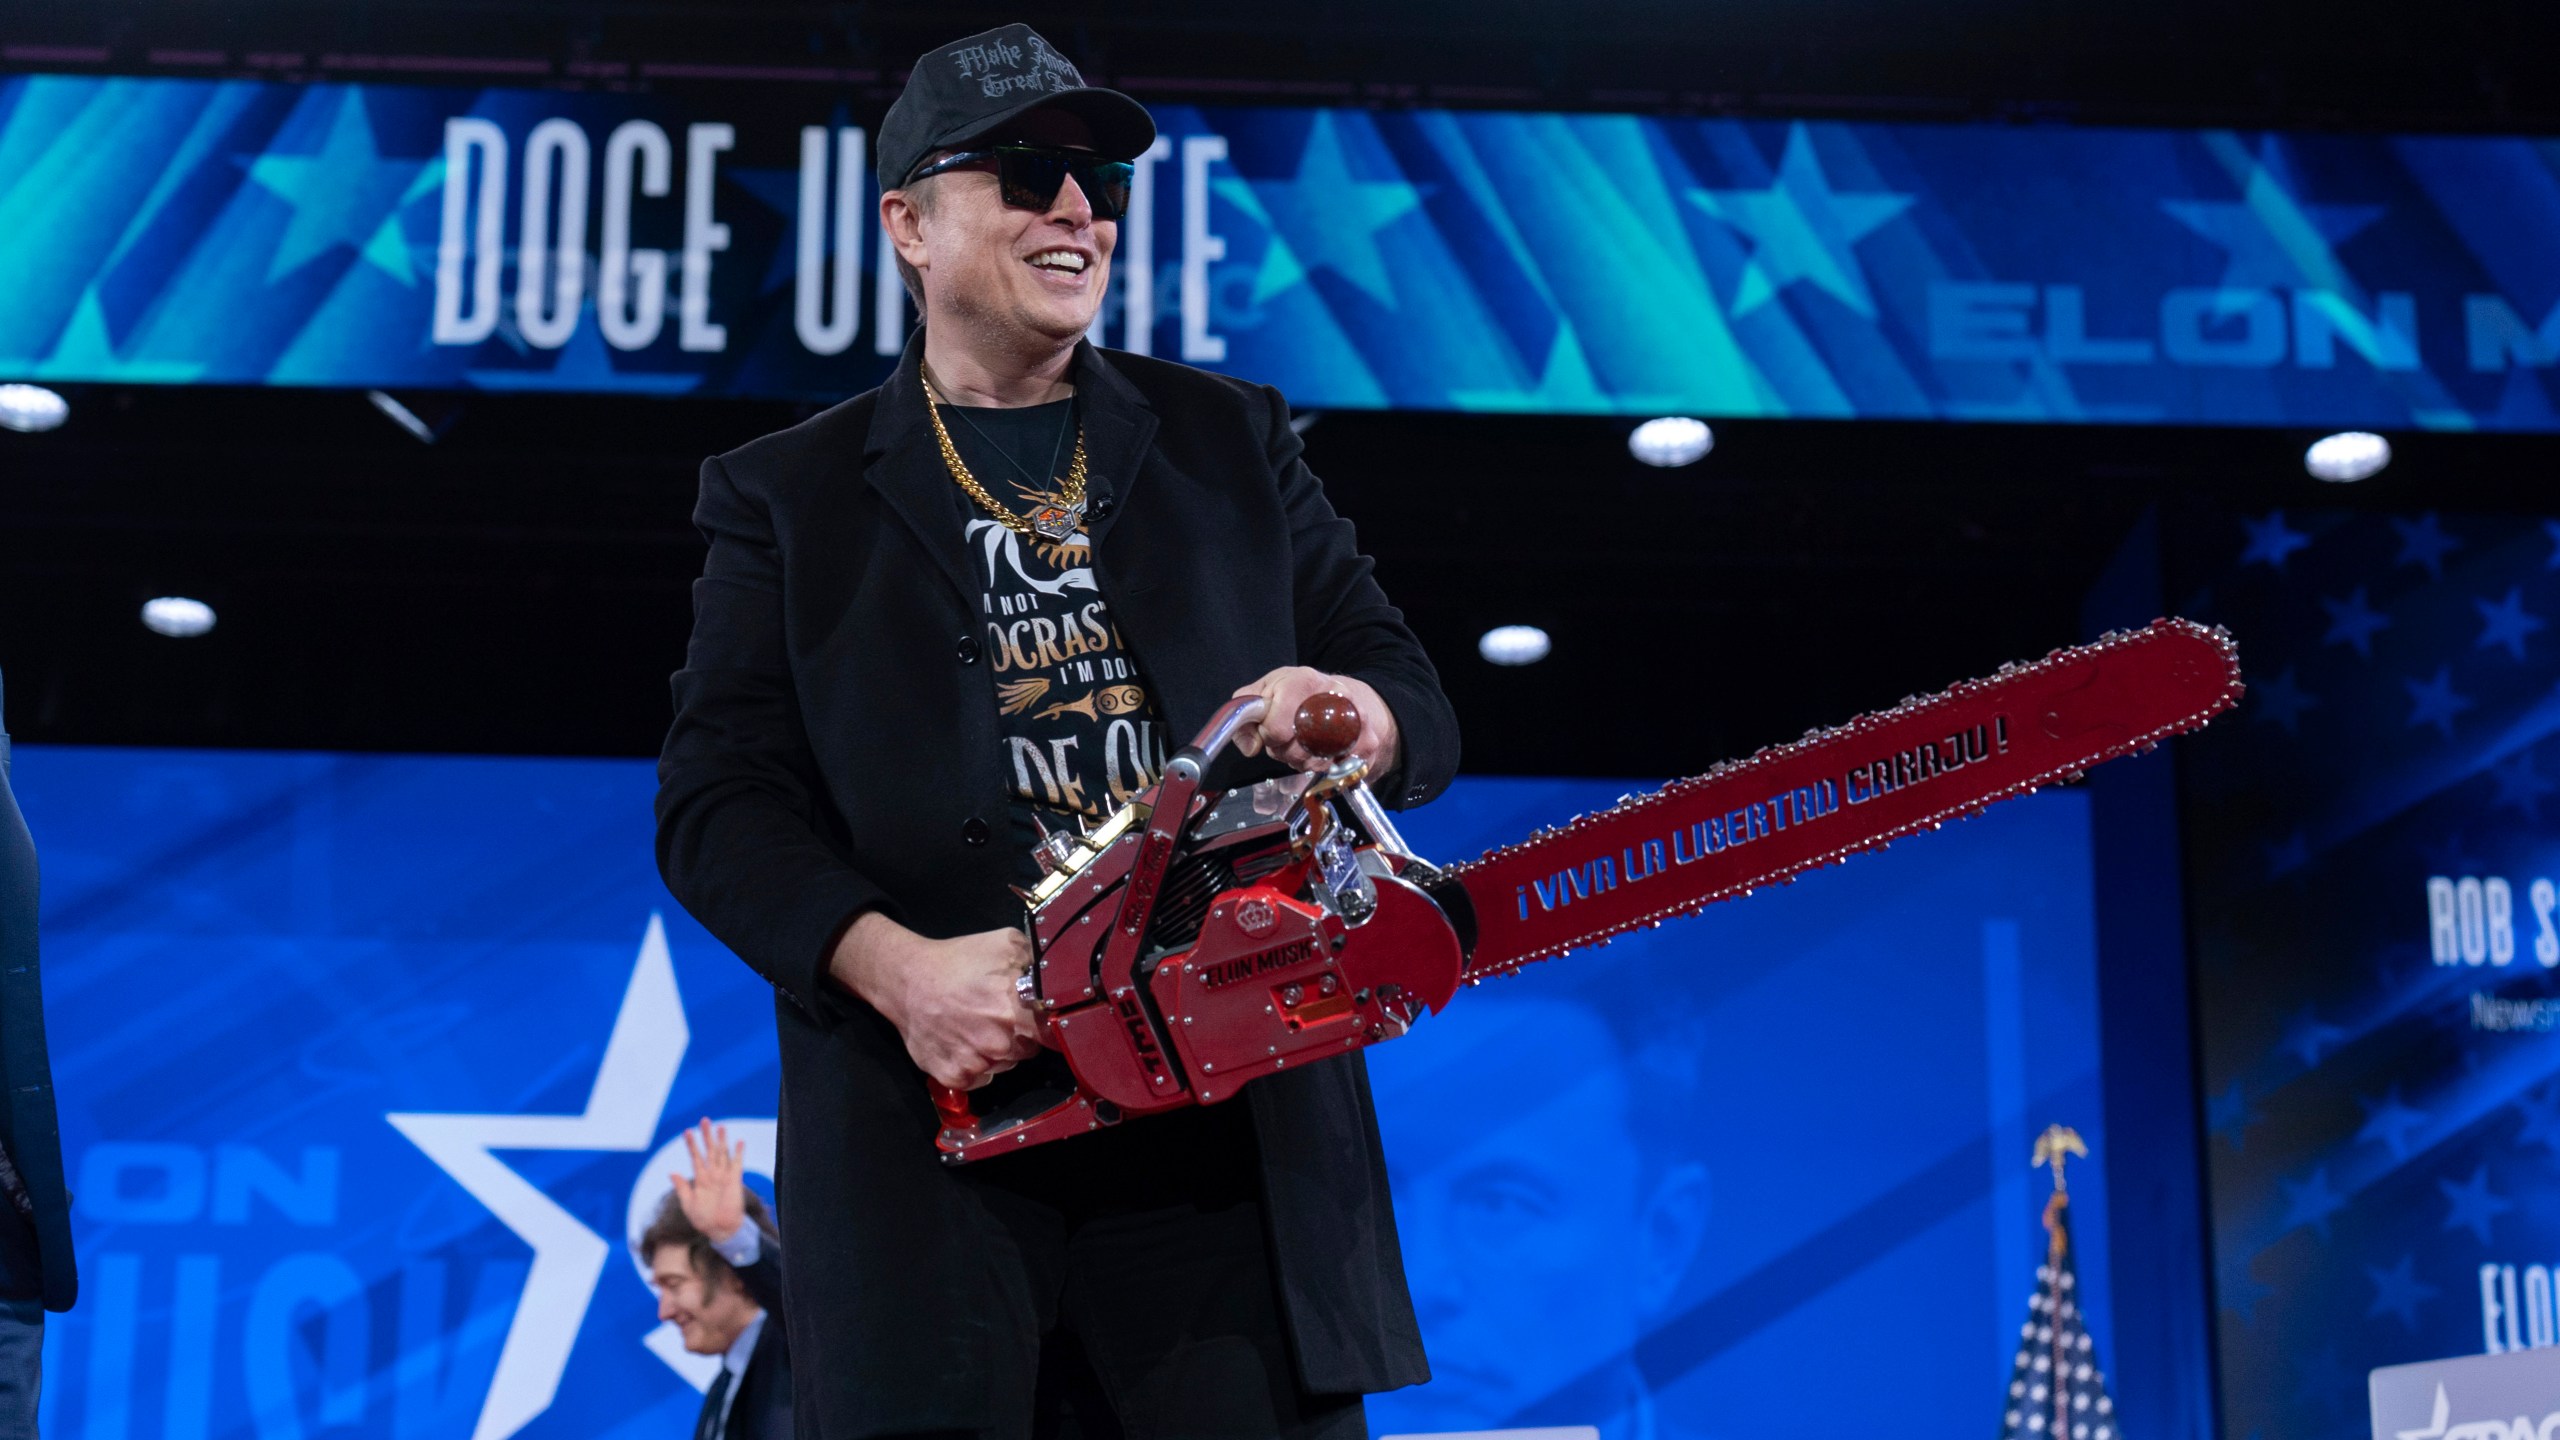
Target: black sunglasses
1029 176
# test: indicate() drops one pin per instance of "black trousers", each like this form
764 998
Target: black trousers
1138 1299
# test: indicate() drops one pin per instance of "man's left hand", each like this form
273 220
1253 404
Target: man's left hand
1286 688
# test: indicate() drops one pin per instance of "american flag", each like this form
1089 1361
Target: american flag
2056 1391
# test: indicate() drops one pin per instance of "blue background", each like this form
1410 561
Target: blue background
253 232
252 958
2372 1145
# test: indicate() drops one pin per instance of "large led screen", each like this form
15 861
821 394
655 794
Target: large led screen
366 1064
2372 874
725 242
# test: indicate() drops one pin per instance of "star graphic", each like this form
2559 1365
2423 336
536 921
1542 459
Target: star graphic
2229 1116
2541 1112
2521 786
391 250
2423 542
1567 385
2388 1122
639 1068
1802 229
342 194
2282 702
2274 240
1330 217
2552 529
2506 623
2288 855
2398 1291
2308 1037
2433 702
2472 1206
2238 1285
2353 622
2270 541
2311 1202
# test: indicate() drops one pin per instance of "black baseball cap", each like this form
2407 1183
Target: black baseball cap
970 87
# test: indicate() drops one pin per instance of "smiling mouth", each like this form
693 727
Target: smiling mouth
1058 262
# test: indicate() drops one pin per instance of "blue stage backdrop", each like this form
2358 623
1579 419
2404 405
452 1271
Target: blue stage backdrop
368 1065
2377 928
249 232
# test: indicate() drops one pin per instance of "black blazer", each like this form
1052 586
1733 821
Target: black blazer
28 1129
762 1410
835 751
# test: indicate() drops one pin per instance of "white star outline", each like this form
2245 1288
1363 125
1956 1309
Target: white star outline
641 1058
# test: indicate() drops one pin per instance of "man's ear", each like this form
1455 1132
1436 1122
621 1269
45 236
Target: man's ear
1670 1230
902 222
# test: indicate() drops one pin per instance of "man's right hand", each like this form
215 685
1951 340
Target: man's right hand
953 1001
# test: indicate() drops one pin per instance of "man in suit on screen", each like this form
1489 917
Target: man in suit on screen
1553 1200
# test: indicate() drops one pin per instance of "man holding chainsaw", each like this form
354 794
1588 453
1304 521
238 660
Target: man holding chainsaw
934 621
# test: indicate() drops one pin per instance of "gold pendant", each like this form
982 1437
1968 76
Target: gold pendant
1058 524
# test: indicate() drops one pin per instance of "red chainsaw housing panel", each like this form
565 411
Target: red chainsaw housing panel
1275 981
1275 974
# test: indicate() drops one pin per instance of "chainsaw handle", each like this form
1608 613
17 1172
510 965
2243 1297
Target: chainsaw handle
1222 730
1328 723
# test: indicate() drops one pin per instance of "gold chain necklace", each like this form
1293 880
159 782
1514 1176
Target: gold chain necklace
1057 522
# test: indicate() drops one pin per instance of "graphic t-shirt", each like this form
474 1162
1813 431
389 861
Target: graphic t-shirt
1078 728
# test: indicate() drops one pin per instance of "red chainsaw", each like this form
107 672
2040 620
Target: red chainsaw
1195 942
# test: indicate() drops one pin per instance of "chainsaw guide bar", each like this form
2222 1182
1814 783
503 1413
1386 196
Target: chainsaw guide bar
1837 792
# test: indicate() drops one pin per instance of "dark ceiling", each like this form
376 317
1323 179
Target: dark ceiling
521 585
2464 64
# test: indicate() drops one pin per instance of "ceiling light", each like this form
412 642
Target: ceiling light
1671 440
2347 455
177 617
1514 645
402 416
31 408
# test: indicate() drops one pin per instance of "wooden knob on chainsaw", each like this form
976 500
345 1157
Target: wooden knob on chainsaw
1328 724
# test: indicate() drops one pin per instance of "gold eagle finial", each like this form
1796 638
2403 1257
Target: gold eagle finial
2053 1145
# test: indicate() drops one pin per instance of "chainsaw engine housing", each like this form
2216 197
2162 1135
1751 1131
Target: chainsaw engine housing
1192 943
